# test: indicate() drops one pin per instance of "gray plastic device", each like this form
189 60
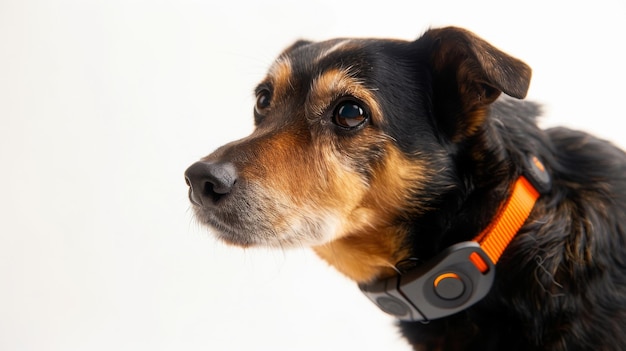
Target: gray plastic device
443 286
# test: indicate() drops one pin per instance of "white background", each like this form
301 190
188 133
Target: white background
103 105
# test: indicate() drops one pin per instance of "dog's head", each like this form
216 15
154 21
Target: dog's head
354 140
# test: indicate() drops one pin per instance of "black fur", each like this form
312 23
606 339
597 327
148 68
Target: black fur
561 284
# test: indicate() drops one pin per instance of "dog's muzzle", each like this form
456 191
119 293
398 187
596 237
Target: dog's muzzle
210 182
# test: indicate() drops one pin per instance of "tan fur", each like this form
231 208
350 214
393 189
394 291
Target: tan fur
280 74
372 244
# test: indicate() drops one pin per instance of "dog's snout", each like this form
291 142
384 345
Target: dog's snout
210 182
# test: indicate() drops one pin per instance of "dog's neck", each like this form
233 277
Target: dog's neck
375 255
462 274
365 256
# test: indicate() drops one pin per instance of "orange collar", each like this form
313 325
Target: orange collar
511 216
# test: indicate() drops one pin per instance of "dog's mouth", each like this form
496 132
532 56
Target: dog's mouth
249 219
232 218
229 231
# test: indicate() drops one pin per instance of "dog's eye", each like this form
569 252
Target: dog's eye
263 99
349 115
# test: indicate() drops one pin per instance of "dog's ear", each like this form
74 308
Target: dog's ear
468 75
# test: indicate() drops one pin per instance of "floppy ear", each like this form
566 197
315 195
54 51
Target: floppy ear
468 75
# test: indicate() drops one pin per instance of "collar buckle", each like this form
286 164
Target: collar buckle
536 173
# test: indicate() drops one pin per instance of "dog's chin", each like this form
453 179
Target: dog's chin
231 237
297 233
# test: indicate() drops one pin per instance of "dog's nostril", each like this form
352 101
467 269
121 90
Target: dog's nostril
209 191
210 182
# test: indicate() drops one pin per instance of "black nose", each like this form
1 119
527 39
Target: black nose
210 182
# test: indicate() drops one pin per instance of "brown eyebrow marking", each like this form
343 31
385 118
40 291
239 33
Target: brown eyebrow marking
280 74
336 83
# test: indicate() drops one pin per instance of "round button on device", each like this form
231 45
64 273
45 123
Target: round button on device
449 286
392 306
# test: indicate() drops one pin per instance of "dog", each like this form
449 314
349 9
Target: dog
416 169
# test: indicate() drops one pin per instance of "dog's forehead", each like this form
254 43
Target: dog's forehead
318 74
308 59
314 52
